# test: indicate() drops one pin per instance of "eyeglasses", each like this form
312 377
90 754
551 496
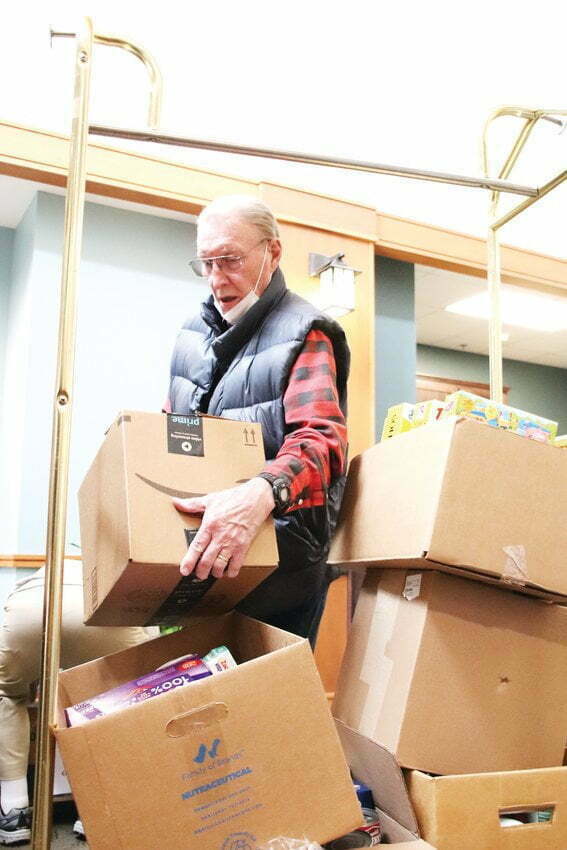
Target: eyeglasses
203 266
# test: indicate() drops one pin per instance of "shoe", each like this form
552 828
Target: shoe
79 830
15 826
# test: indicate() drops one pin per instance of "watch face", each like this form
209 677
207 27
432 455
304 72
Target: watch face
281 493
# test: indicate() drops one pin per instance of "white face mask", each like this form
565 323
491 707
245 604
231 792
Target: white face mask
239 310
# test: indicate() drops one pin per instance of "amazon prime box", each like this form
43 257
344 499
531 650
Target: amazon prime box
132 536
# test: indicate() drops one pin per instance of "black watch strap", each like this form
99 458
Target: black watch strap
281 490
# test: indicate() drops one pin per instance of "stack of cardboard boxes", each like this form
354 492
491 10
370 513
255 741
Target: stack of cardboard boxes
456 662
232 760
455 667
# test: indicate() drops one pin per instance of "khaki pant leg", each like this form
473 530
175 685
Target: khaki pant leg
20 657
20 649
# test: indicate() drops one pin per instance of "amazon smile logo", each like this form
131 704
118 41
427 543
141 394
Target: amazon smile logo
180 494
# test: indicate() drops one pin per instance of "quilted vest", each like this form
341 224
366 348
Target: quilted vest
241 372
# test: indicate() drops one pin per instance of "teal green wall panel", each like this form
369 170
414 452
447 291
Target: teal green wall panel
533 387
395 343
135 290
6 256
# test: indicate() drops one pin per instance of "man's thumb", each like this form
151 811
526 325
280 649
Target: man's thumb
190 506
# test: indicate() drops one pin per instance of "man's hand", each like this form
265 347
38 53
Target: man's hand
231 519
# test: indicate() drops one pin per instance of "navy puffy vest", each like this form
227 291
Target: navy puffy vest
241 372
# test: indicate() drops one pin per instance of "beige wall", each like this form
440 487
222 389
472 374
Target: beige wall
298 241
309 222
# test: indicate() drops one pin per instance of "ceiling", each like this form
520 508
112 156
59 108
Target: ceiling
434 290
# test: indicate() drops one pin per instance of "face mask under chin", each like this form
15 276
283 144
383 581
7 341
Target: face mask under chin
238 311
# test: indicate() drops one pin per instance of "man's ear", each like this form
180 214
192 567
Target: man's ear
276 253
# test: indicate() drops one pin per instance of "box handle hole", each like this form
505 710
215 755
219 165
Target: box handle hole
522 815
196 719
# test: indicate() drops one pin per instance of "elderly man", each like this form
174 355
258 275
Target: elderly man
259 353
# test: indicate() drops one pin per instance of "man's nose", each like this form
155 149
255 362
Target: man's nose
216 274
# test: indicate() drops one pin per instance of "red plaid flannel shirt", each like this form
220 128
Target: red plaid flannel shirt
314 450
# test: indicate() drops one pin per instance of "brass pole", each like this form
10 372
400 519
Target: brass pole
162 138
493 260
62 409
61 436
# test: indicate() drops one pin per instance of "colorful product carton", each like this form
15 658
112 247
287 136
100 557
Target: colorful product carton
398 420
176 675
404 417
561 441
426 412
498 415
218 660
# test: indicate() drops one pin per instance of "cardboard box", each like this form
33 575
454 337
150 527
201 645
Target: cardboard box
454 676
376 767
251 754
61 787
132 536
463 812
463 498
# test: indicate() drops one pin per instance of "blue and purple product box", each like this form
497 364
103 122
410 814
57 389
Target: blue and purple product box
175 675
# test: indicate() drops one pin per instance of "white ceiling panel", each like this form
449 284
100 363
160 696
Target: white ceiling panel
436 288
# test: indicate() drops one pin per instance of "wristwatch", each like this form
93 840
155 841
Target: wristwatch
281 492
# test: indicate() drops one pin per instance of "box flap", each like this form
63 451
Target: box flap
247 639
374 683
494 483
391 496
376 767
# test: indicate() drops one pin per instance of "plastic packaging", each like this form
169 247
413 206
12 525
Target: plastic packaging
218 660
368 835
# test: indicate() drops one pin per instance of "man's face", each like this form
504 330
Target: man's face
230 236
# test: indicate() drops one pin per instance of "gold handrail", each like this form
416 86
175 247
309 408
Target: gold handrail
62 409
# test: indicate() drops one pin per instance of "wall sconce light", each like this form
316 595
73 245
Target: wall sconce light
336 296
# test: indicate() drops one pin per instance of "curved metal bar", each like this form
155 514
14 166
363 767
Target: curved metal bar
493 265
542 192
60 443
154 110
530 115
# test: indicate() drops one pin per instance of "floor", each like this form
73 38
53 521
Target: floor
62 837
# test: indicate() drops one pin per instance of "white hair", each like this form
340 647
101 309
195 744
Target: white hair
244 208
